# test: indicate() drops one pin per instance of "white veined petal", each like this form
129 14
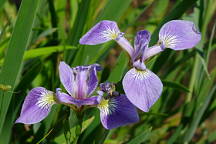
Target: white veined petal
110 33
46 99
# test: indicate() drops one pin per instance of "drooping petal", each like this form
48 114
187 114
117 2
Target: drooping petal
142 88
179 35
66 77
67 99
102 32
36 106
140 44
63 97
117 111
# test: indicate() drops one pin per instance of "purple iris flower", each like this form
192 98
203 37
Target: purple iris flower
80 83
143 87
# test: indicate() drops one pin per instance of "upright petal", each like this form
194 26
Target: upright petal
179 35
102 32
142 88
85 79
66 77
80 87
117 111
36 106
93 80
140 44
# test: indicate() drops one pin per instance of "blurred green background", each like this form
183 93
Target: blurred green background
36 34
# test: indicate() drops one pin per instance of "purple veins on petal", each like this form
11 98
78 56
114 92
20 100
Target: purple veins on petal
93 80
142 88
79 81
117 111
179 35
140 44
102 32
36 106
86 79
105 31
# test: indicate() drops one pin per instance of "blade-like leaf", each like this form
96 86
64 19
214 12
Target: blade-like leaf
18 43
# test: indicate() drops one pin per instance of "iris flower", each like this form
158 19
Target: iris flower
142 87
80 83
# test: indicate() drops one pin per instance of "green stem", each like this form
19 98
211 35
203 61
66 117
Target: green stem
193 78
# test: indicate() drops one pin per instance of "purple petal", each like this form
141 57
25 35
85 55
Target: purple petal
86 80
179 35
80 81
81 87
102 32
139 65
66 77
125 44
153 51
93 80
140 44
36 106
117 111
67 99
142 88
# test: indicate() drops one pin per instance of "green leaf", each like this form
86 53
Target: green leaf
2 4
145 135
94 52
175 85
18 44
34 68
44 51
119 69
205 95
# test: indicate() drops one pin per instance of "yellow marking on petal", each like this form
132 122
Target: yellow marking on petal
169 41
107 106
110 33
140 74
46 99
104 104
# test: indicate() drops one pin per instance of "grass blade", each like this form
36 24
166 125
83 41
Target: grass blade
18 44
118 71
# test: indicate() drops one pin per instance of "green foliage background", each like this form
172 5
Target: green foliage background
35 37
